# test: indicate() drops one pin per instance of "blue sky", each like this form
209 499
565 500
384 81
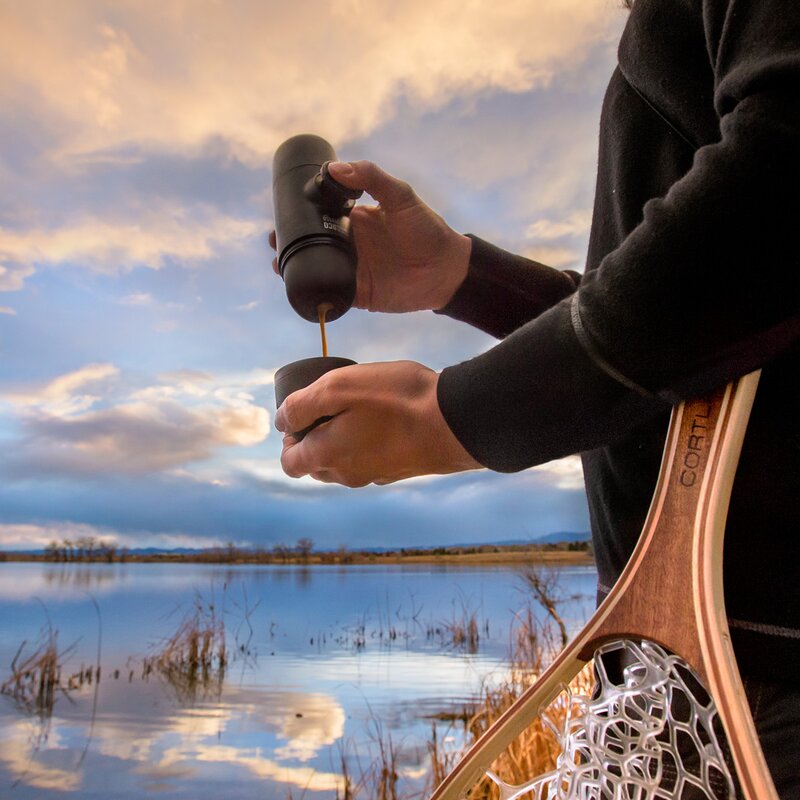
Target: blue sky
140 322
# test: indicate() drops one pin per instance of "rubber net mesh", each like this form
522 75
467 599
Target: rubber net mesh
650 735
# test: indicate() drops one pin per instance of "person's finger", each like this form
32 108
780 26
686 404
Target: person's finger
296 412
323 476
305 406
273 242
392 193
275 266
292 461
308 457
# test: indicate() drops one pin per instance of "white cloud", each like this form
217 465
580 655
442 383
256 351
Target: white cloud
29 536
558 257
61 397
178 74
35 536
6 310
137 299
576 224
12 276
564 473
148 238
180 420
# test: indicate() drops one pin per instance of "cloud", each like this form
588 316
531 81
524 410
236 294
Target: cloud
30 536
12 276
565 473
558 257
576 224
184 418
62 396
6 310
137 299
36 536
147 238
180 75
137 438
139 139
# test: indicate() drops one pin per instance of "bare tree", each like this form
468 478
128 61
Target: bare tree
304 548
281 551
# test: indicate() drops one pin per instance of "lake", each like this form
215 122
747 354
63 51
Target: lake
323 666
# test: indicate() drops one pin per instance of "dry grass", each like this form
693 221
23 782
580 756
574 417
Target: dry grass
36 682
35 679
461 634
534 644
193 661
534 752
462 631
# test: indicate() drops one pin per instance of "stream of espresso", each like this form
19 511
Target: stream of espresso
322 310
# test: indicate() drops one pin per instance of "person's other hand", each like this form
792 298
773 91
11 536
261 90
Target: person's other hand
409 259
386 426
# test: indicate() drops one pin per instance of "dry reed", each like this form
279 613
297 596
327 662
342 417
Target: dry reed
35 680
533 646
193 661
534 752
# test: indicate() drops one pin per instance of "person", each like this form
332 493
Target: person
690 282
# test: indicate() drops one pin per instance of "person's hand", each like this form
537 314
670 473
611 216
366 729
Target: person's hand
386 426
409 259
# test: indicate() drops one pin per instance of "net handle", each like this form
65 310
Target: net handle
680 550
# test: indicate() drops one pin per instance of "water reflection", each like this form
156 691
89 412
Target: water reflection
30 765
184 744
296 698
83 576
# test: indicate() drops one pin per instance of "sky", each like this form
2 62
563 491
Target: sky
140 321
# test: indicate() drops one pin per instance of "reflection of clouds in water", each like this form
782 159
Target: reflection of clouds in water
320 723
306 778
305 722
123 742
173 746
30 766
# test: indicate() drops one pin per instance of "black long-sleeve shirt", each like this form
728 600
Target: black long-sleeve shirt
691 280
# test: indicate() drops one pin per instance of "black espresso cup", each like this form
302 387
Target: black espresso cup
300 374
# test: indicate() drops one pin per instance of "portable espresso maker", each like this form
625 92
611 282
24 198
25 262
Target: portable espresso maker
316 256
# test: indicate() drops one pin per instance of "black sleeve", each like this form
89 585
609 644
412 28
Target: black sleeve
503 291
704 289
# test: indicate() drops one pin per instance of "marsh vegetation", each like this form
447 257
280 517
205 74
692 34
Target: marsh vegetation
221 649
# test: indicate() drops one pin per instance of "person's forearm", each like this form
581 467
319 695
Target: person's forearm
503 291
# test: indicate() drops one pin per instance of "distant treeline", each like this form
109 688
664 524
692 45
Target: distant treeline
89 549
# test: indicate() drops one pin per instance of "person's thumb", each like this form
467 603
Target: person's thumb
391 193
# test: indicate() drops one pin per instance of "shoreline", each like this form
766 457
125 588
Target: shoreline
553 555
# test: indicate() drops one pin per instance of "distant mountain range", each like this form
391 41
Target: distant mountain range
563 536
